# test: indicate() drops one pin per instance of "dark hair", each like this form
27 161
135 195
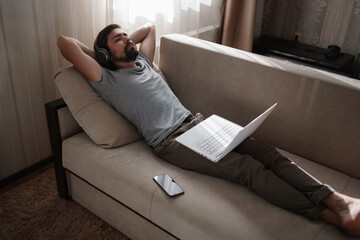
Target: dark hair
101 41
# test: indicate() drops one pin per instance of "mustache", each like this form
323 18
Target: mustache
129 43
130 54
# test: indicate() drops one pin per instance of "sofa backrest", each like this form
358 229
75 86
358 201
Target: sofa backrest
318 113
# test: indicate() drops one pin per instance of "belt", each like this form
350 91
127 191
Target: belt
188 119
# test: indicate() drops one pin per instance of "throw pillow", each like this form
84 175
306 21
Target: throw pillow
103 124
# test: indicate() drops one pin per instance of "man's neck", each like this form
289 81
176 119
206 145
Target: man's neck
125 64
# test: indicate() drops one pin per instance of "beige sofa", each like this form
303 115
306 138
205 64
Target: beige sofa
316 124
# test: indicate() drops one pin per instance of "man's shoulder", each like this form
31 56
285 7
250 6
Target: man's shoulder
143 56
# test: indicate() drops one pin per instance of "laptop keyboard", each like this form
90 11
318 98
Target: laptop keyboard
219 140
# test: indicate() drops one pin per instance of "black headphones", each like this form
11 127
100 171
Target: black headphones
102 55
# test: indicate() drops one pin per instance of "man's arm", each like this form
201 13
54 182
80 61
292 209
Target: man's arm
146 35
82 57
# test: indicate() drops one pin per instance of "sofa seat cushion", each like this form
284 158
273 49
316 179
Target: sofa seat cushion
211 208
124 173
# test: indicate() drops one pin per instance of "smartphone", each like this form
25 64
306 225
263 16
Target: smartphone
171 188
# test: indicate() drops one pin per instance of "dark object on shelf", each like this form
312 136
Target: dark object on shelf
332 52
292 50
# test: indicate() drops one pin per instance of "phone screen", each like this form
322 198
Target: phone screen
168 185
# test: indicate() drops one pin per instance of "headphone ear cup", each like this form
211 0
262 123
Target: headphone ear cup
102 55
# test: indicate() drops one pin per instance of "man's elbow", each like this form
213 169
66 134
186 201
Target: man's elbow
64 42
152 30
65 46
61 41
151 26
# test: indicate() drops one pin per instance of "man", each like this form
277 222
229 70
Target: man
124 77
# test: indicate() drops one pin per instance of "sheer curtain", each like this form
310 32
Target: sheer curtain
29 57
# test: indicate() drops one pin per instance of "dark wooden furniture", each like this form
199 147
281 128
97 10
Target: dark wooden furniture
56 144
309 55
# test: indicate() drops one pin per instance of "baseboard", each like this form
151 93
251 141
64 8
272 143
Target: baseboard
22 173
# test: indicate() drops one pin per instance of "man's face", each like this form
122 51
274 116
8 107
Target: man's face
121 47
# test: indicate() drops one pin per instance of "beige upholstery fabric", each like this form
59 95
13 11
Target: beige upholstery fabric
317 118
118 171
119 216
105 126
67 123
319 111
211 208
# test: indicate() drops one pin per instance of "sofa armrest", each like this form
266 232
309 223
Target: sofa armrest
58 132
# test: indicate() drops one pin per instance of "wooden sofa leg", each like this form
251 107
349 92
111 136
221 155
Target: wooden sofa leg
56 145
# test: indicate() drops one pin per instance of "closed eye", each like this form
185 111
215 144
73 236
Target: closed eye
119 37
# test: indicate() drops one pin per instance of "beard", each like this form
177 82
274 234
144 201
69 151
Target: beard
130 55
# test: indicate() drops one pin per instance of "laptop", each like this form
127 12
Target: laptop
215 137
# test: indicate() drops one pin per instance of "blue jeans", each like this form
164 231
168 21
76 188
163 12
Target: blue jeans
256 165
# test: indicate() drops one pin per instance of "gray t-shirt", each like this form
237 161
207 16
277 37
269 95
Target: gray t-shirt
143 97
